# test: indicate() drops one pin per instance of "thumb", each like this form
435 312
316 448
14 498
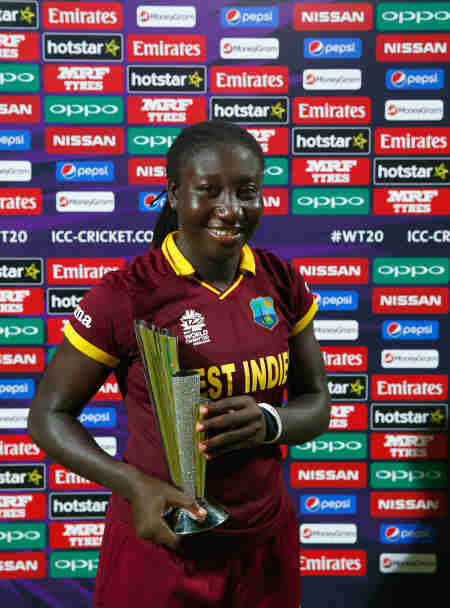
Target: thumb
176 498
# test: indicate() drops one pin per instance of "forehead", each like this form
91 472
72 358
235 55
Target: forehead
223 159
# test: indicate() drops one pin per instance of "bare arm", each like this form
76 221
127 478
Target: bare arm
69 382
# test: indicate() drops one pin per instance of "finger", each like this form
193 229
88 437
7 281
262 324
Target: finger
163 535
177 499
214 408
240 445
230 438
230 420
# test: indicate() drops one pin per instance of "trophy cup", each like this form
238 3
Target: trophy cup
175 395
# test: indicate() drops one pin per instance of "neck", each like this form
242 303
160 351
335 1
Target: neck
220 273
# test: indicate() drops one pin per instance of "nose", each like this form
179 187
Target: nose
229 206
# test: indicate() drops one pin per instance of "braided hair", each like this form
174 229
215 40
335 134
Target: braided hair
189 141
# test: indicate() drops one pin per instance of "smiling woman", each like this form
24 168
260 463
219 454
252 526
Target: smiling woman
242 318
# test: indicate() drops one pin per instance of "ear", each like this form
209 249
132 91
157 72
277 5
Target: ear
172 194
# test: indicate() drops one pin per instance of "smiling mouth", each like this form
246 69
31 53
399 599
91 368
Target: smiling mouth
224 232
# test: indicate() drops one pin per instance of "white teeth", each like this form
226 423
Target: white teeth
223 232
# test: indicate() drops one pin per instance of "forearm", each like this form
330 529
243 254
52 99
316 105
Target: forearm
304 418
66 440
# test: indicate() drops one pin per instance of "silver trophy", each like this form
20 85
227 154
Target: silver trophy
175 395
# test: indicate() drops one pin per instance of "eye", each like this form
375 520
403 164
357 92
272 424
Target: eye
248 192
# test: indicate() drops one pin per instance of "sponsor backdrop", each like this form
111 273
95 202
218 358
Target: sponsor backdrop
348 102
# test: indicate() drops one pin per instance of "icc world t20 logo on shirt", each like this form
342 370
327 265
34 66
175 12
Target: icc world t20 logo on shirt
264 312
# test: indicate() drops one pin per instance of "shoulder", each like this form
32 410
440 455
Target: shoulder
280 271
144 271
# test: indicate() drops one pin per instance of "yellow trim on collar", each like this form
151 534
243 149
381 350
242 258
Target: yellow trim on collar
181 266
89 349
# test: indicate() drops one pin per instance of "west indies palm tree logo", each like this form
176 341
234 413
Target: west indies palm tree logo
264 312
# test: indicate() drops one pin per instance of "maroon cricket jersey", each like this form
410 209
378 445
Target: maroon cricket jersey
238 339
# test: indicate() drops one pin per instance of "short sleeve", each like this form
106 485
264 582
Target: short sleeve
100 324
305 305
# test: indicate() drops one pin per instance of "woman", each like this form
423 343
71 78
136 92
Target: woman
243 318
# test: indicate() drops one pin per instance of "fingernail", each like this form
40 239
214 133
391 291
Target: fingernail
202 447
203 409
199 426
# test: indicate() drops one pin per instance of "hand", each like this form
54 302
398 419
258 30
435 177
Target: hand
150 500
231 424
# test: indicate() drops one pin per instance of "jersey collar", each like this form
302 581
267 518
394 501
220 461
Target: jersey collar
181 266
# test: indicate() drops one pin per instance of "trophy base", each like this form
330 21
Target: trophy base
182 522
